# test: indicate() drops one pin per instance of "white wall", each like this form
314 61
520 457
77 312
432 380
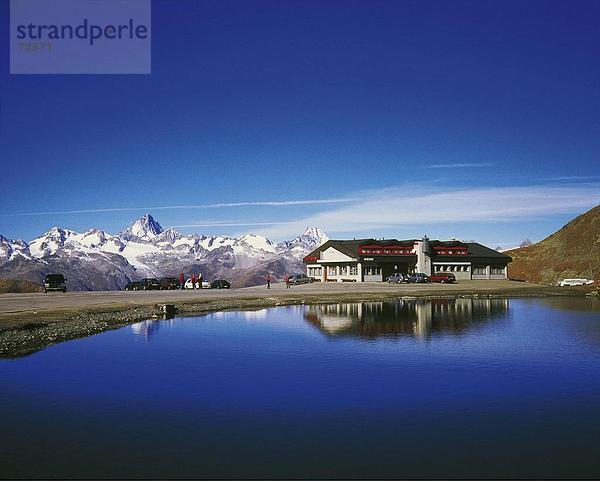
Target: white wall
423 261
332 254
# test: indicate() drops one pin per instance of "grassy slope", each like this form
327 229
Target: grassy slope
18 286
564 254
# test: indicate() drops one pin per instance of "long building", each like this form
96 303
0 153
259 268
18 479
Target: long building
363 260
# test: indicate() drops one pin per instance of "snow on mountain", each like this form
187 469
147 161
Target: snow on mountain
10 249
526 242
100 240
168 237
51 242
255 241
144 249
145 228
301 245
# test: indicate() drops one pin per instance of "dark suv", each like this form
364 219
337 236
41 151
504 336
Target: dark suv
150 284
220 284
300 279
55 282
398 278
168 283
418 278
133 286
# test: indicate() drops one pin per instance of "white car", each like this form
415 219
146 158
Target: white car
188 285
576 282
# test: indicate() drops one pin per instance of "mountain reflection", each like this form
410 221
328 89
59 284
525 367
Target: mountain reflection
417 318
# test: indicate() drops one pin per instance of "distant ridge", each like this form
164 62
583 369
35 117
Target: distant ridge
571 252
96 260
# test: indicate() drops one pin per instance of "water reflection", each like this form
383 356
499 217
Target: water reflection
417 318
145 330
577 303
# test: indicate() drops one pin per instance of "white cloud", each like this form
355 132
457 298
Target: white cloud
459 165
395 207
572 178
209 224
294 202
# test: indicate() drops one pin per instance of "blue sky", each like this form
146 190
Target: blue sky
477 120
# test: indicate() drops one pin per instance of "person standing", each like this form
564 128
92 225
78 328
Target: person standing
287 280
193 281
268 281
181 281
199 280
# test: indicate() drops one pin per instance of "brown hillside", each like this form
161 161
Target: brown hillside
571 252
18 286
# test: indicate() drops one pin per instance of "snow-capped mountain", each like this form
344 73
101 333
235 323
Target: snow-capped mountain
11 249
144 229
98 260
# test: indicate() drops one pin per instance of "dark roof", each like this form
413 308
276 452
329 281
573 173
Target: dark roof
350 248
479 250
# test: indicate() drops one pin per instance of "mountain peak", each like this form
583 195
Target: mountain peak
310 239
526 242
144 228
169 235
315 233
257 241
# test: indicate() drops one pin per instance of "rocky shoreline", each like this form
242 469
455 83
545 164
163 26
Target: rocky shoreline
34 334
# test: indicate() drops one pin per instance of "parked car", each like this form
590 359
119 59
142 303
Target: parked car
576 282
168 283
149 284
133 286
206 285
300 279
220 284
442 278
398 278
418 278
55 282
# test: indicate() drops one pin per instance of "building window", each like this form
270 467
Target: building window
497 270
353 270
343 270
331 271
479 270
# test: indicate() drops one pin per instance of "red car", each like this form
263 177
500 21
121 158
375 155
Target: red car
442 278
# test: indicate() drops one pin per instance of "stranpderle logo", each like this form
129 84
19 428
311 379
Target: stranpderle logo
80 37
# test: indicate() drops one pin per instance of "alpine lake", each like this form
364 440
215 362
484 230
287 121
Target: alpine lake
445 388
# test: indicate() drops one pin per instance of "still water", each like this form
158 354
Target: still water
408 389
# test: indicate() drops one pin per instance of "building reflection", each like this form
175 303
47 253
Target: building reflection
418 318
145 330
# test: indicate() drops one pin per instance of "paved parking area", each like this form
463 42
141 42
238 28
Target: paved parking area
18 303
